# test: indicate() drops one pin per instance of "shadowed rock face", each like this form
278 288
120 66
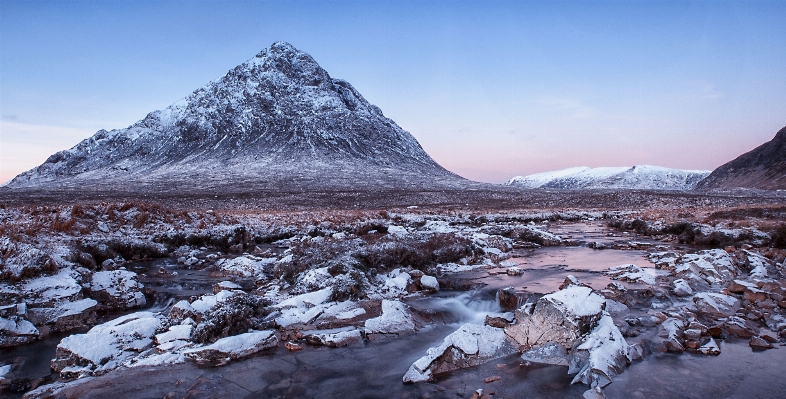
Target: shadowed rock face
277 120
764 167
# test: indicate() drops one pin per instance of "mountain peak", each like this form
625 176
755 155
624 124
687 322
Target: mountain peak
275 116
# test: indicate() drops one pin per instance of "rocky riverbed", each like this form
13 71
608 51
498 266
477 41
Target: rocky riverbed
373 304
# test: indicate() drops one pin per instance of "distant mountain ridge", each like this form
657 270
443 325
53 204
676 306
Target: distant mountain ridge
277 120
643 177
764 168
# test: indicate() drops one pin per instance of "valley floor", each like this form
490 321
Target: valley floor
405 294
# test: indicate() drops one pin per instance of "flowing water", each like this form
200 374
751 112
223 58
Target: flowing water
373 369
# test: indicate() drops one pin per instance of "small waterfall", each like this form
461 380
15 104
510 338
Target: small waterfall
467 307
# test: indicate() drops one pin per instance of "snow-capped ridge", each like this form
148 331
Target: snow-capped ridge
635 177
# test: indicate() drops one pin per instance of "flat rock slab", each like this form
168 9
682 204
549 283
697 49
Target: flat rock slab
231 348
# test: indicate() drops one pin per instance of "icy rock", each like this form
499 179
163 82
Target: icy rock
246 266
514 271
571 280
176 332
740 327
631 273
231 348
334 338
671 331
225 285
469 346
682 288
68 315
499 320
181 311
710 266
601 356
107 345
710 348
561 317
429 283
117 289
759 343
716 305
15 330
395 318
48 290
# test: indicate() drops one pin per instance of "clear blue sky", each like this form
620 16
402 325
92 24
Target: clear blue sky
490 89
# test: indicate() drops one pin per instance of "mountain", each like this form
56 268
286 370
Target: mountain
764 168
277 121
643 177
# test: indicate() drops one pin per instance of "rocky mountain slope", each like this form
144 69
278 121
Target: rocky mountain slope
276 121
764 167
642 177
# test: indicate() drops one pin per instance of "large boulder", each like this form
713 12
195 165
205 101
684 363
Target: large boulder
395 319
334 338
231 348
561 317
106 346
716 305
602 355
117 289
468 346
16 330
66 316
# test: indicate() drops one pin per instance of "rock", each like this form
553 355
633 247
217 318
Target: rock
571 280
468 346
16 330
739 286
682 288
117 289
429 283
106 346
231 348
181 311
177 332
293 346
716 305
759 343
561 317
395 318
710 348
631 273
499 320
514 271
246 266
671 330
741 327
225 285
601 356
594 393
508 300
334 338
66 316
492 379
754 295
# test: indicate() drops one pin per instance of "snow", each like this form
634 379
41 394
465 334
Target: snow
633 273
247 266
17 327
395 318
307 299
636 177
608 352
429 282
176 332
207 302
577 300
57 287
4 370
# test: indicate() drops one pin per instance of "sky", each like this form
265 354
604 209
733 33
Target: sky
491 90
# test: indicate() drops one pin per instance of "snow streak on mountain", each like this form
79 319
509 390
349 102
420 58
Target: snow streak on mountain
642 177
278 120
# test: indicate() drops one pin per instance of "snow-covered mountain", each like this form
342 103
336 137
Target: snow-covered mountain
636 177
278 120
